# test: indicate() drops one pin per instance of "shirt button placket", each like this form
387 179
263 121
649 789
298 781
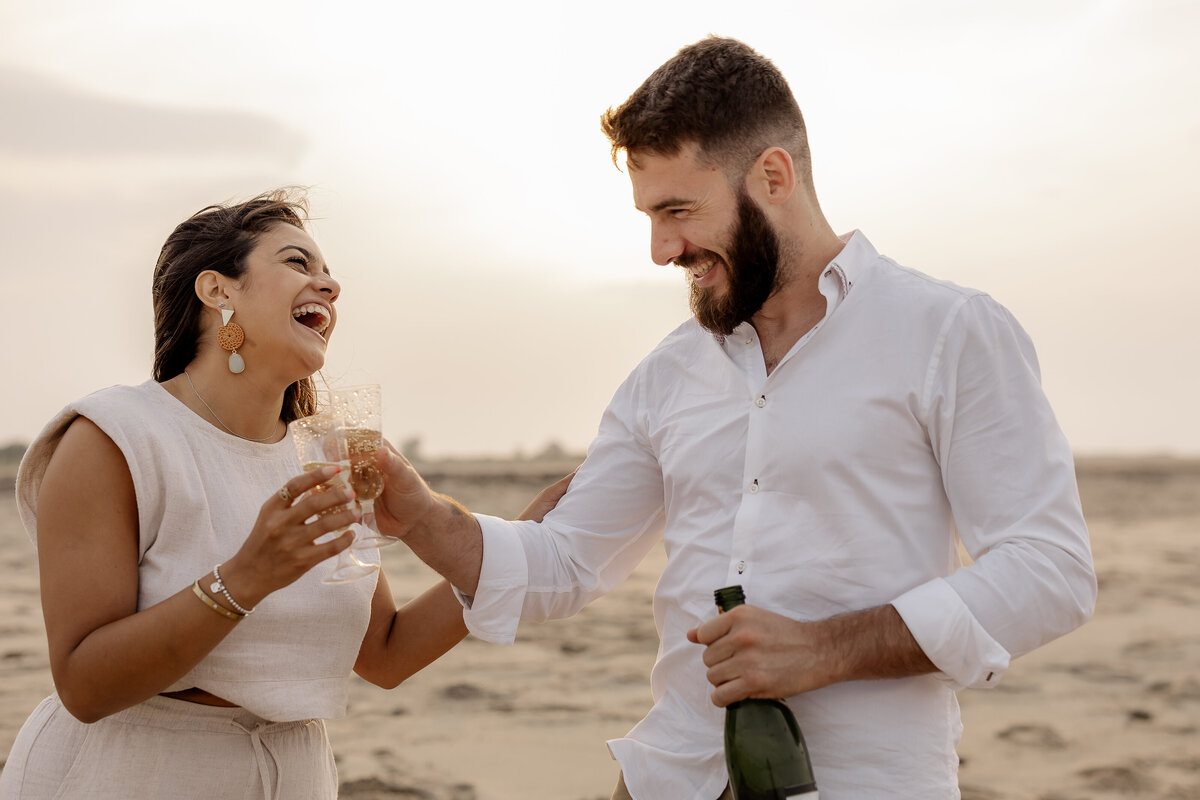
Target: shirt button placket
741 544
742 547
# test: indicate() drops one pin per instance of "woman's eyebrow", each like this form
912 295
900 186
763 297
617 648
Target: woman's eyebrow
307 255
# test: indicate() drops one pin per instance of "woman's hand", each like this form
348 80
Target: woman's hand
547 499
280 547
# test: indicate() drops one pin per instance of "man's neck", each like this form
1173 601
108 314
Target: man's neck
798 305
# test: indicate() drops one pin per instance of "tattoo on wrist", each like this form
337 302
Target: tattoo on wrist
456 508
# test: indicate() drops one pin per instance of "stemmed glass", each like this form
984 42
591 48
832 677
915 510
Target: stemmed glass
321 442
359 409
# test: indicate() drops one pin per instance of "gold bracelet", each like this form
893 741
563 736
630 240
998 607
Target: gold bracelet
213 604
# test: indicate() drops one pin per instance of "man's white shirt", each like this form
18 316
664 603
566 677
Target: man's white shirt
912 415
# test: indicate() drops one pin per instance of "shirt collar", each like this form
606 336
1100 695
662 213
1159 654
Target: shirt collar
850 264
838 277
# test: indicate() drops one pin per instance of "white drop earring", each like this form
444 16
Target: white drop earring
230 337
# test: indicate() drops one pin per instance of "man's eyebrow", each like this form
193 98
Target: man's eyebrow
307 254
668 203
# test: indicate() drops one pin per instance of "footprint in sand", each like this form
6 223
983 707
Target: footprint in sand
1157 650
1126 780
1042 737
1098 673
1185 764
464 691
1176 691
376 789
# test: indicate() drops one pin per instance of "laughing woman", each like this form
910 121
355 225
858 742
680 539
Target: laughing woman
175 677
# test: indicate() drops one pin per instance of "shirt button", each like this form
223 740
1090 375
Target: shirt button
761 401
754 487
741 567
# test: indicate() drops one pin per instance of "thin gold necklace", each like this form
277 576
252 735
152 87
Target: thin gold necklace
218 419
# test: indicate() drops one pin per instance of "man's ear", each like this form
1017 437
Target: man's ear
773 176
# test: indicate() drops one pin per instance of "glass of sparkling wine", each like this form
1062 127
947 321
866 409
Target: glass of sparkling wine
360 410
321 442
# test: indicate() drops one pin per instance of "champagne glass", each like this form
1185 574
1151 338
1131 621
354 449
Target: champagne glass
359 409
321 442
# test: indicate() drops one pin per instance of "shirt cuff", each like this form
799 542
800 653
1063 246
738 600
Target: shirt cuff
950 635
494 611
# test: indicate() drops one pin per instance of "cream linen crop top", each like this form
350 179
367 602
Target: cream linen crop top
199 491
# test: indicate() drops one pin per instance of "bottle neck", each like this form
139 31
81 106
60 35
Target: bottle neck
729 597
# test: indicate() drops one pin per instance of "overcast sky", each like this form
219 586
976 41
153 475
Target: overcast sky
496 279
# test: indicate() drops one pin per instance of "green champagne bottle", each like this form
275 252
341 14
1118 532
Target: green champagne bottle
764 749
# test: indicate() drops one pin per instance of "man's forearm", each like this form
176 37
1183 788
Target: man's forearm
874 644
752 652
435 527
449 540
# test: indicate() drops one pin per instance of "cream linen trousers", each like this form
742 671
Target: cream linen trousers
166 748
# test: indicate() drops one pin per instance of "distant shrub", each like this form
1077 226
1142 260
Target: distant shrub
12 453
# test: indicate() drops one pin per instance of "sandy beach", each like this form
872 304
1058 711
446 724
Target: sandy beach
1109 711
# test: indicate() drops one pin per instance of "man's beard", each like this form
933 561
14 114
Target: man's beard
751 269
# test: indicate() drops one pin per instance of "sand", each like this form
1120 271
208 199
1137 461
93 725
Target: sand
1109 711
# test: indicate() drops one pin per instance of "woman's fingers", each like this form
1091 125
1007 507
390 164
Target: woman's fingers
300 484
325 550
334 521
327 500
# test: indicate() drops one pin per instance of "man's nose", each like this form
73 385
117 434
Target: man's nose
665 244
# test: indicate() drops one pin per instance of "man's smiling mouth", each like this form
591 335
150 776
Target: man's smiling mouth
701 269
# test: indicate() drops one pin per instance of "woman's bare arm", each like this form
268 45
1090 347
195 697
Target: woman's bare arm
105 655
400 643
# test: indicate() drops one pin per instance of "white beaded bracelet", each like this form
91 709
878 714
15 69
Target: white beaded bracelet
219 586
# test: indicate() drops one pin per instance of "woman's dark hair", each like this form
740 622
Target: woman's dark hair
218 237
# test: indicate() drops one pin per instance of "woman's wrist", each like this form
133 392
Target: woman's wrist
234 586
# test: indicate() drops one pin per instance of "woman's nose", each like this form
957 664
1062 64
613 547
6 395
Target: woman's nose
329 286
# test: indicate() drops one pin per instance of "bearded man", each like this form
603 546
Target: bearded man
823 432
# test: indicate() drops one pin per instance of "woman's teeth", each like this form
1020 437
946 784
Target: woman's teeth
317 316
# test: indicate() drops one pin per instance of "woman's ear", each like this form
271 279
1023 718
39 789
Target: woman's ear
210 288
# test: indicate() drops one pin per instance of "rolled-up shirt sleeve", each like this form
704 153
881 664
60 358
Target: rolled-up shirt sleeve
943 625
492 613
1009 475
601 529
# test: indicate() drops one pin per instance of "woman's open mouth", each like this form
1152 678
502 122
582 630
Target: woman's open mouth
313 316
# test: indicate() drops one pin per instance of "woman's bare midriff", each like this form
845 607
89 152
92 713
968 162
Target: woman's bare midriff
200 696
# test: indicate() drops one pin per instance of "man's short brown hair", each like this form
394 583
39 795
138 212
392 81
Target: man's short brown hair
723 96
